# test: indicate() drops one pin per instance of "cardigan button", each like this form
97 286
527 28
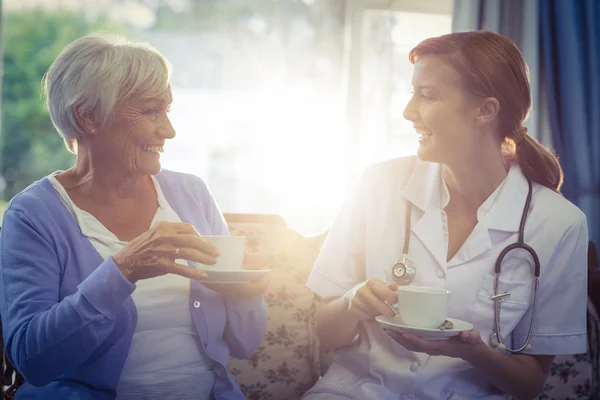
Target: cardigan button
196 304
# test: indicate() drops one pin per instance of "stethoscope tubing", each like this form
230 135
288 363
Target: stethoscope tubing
404 273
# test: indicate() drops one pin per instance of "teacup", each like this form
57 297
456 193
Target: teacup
231 249
422 306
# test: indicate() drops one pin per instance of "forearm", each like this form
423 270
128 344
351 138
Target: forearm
517 375
55 342
336 326
42 332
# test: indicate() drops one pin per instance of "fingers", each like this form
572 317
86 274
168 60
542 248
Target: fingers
171 253
183 235
191 241
175 227
254 261
184 270
369 304
261 284
373 296
381 291
360 315
394 335
416 344
195 255
473 336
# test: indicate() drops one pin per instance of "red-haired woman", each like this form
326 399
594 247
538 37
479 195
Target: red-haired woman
478 185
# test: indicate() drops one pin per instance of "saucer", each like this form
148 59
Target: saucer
233 276
425 333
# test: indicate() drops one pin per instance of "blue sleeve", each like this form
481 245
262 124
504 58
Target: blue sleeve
45 336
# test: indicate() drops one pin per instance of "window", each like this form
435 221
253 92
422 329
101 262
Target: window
284 145
278 104
386 76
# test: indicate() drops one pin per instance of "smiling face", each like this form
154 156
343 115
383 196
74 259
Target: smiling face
136 135
442 113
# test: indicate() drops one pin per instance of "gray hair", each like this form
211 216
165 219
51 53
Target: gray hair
93 73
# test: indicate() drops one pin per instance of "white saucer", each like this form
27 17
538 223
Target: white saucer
234 276
425 333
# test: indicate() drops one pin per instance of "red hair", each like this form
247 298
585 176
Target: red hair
491 65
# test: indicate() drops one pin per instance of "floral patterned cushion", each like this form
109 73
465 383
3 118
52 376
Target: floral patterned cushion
577 376
569 378
286 363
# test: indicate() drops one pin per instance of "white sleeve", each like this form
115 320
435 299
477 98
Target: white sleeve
560 319
341 262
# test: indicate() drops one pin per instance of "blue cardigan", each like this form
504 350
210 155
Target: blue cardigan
67 314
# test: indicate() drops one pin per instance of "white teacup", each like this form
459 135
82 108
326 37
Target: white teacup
231 249
422 306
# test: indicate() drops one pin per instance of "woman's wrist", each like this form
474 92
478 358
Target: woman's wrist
127 271
478 353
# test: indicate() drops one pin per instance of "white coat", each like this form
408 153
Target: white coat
367 238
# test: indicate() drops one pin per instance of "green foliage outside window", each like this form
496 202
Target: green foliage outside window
31 146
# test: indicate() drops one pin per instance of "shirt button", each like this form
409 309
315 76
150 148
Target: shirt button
414 367
440 274
196 304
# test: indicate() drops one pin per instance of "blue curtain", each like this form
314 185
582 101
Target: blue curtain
519 21
570 42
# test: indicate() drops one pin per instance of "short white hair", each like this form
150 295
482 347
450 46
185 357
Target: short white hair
95 72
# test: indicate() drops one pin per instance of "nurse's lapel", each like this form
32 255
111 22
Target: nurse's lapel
422 190
429 230
505 214
500 223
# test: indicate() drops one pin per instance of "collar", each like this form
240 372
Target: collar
505 214
422 187
423 190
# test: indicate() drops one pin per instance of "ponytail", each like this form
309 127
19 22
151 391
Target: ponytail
538 163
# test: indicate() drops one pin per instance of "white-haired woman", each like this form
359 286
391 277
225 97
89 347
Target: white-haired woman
97 301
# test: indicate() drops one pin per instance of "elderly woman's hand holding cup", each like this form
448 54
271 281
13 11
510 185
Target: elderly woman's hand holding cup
154 253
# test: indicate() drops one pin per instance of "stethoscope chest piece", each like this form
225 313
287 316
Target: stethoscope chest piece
404 271
495 340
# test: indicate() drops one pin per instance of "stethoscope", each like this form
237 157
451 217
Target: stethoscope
404 272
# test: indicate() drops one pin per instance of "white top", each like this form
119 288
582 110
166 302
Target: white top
166 354
367 239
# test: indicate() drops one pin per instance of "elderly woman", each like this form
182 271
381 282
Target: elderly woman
97 301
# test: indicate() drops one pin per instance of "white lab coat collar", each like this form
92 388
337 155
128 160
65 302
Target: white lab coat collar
423 191
505 215
422 187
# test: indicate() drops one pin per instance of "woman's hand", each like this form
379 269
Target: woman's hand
464 346
247 290
368 300
154 252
